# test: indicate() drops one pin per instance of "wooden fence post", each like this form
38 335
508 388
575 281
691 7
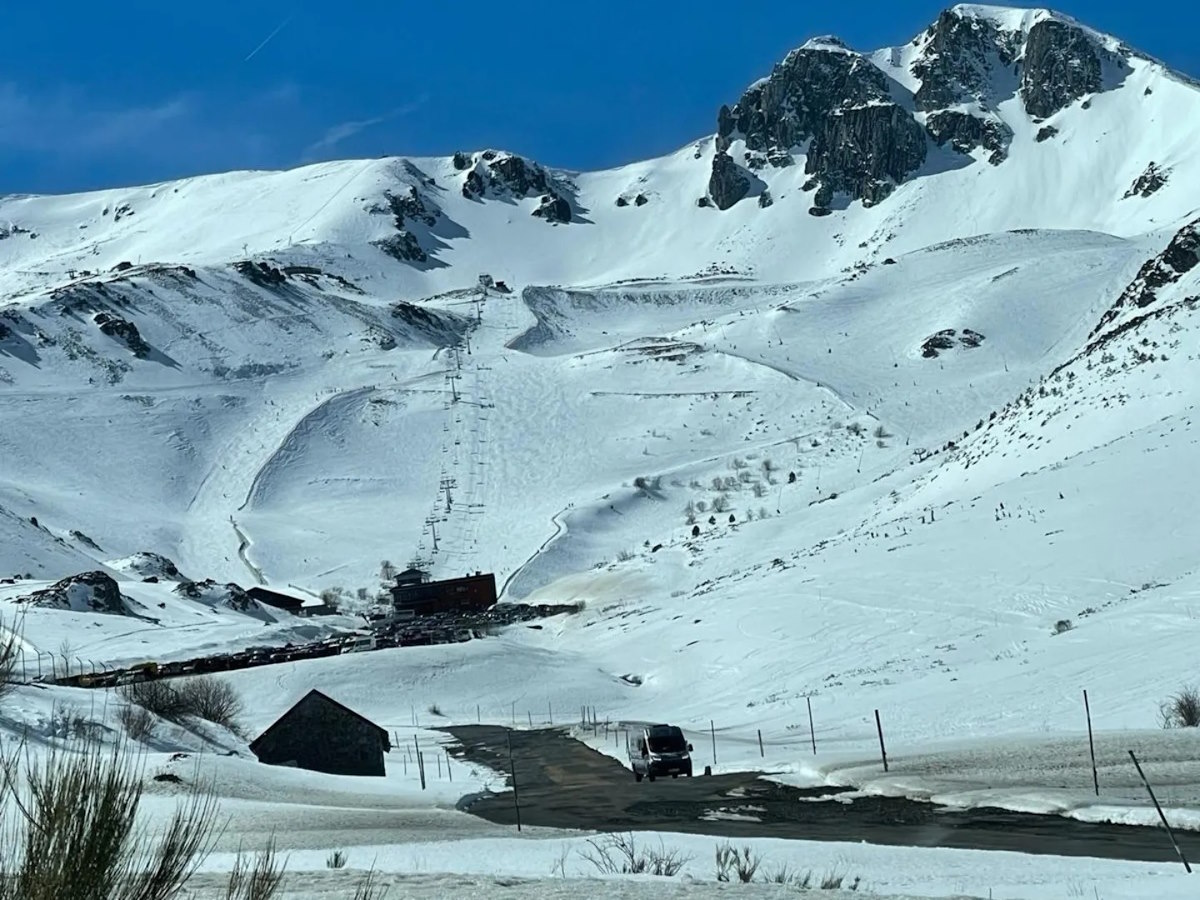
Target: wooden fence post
1091 743
1161 816
811 731
712 729
882 748
761 751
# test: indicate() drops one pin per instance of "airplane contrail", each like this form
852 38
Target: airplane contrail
268 39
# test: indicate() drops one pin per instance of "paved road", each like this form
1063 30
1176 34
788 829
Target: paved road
565 784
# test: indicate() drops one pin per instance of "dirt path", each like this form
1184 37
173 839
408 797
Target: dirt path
565 784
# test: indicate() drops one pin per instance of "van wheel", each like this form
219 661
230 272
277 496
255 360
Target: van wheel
650 776
637 776
674 774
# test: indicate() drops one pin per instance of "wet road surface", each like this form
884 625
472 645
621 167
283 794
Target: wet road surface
563 783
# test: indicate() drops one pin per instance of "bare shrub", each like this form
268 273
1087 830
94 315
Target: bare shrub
157 697
856 429
881 433
1183 709
212 700
10 649
625 556
760 489
833 881
721 504
336 860
370 888
137 722
768 465
801 881
1063 625
200 697
67 721
73 831
255 879
731 861
619 854
435 710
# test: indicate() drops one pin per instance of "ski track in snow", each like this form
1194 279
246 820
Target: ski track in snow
963 542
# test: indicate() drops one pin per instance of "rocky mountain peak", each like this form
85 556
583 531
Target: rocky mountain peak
493 173
835 106
864 128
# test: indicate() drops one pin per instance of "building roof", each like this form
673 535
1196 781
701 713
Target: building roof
387 744
275 598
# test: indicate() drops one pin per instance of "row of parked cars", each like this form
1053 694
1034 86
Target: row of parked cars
383 633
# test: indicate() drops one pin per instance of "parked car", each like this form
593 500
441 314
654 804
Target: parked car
658 750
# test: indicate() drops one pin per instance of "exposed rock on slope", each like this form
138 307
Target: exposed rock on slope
1179 258
122 329
225 596
88 592
836 104
728 183
507 176
1149 182
960 60
148 565
1061 65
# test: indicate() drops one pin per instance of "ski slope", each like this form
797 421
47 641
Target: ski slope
732 436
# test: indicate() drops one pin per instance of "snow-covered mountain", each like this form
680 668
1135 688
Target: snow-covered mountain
870 389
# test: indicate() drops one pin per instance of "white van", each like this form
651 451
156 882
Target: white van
658 750
360 644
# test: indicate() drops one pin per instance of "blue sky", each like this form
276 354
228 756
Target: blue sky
95 95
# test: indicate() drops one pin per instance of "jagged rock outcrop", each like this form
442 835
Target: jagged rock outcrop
508 175
148 565
1061 65
1149 182
409 206
838 103
1179 258
959 60
211 593
964 132
728 183
87 592
402 247
554 208
124 330
866 151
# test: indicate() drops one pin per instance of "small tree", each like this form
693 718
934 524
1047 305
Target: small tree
387 571
332 597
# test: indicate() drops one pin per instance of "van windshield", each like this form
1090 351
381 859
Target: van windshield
667 740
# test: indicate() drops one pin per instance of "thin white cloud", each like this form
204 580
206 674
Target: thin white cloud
66 122
345 130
